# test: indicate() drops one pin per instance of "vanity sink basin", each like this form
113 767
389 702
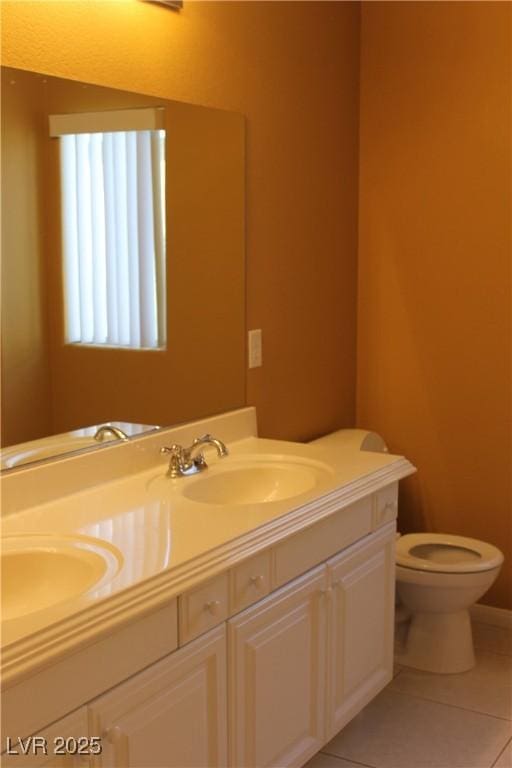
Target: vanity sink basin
23 455
39 571
258 481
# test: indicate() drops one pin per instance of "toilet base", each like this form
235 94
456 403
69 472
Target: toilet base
439 642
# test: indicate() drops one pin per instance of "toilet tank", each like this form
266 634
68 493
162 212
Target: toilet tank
359 439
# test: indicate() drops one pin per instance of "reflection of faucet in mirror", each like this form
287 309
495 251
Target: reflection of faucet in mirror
107 429
183 462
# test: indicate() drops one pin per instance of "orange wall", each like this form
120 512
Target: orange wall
25 374
434 338
292 70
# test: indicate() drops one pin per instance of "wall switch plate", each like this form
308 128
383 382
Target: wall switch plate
255 348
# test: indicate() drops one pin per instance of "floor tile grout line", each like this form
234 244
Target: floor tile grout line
348 759
502 751
492 653
479 650
507 629
486 650
453 706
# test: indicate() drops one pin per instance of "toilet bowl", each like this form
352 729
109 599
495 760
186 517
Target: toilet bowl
439 576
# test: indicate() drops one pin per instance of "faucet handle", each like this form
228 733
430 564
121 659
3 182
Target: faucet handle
176 460
170 448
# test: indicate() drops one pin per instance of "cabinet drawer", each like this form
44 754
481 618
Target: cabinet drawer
249 582
321 540
203 608
385 505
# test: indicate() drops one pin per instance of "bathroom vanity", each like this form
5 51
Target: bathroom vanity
246 617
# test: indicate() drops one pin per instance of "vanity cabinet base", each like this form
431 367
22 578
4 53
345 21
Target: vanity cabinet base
305 660
277 676
361 626
266 689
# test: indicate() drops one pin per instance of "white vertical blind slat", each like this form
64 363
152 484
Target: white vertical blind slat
110 239
121 218
83 193
70 238
158 179
133 237
148 317
99 261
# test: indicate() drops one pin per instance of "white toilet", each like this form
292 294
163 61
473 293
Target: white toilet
439 576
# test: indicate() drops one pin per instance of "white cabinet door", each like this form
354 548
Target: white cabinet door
276 672
172 715
361 625
63 744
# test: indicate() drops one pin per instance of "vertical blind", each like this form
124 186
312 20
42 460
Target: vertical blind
113 226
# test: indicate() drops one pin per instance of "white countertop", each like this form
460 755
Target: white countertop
166 541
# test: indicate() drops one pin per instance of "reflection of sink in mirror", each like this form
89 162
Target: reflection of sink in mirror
40 571
251 480
23 454
56 445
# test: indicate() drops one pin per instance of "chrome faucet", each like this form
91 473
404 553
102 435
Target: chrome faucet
107 429
182 461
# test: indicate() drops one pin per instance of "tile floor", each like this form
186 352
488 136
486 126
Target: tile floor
423 720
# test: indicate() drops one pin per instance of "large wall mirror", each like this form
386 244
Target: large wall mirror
194 364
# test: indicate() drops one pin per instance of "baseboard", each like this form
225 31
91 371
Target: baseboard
488 614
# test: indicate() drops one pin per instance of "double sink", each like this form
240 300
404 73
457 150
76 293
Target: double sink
41 571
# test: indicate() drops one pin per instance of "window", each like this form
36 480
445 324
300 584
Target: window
113 227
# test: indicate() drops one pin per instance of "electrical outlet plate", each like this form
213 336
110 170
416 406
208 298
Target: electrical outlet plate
255 348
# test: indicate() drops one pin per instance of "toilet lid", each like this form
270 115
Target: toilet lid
444 553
